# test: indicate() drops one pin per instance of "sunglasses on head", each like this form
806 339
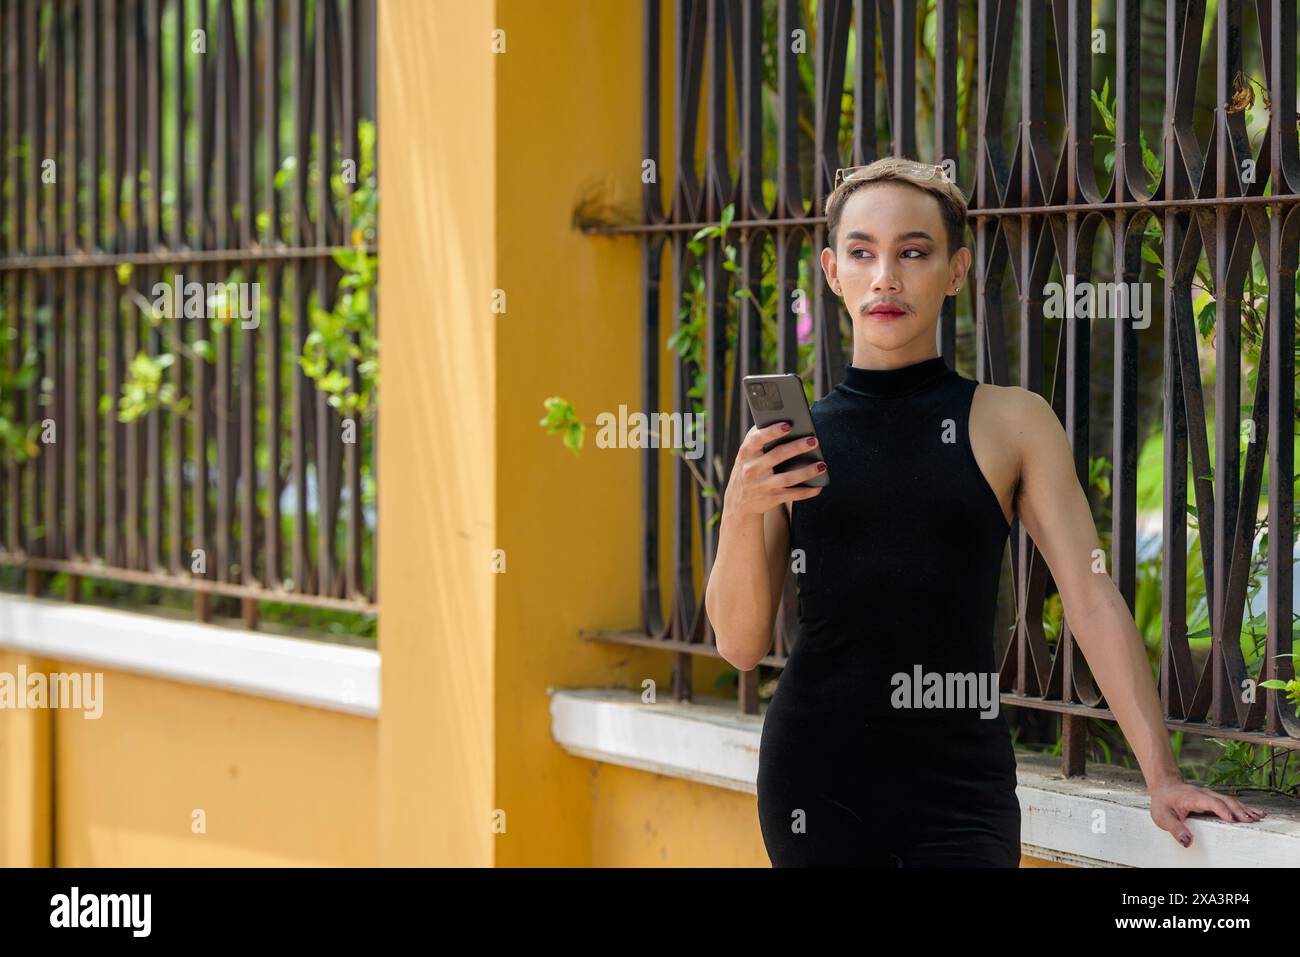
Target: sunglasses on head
847 173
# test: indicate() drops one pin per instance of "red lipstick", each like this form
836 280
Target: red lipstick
886 311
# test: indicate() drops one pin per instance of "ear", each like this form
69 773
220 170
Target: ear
831 269
960 266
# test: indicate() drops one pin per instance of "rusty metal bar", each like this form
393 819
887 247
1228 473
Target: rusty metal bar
1281 199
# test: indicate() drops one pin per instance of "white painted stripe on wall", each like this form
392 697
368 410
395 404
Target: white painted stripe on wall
320 674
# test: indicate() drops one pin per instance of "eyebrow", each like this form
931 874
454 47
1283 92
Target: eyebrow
901 237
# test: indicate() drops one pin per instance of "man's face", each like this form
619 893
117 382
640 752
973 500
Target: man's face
892 257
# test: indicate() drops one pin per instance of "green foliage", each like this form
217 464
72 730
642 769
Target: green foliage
687 340
561 419
1105 105
18 440
1099 474
348 333
144 389
1260 767
360 627
1291 687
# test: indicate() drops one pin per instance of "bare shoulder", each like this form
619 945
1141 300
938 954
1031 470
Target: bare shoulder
1010 401
1019 415
1008 424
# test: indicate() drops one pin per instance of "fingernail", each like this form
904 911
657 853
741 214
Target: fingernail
812 441
821 466
785 426
1185 840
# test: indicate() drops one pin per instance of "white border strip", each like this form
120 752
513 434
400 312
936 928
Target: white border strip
699 743
319 674
1098 821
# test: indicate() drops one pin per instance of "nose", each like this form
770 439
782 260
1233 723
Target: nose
884 278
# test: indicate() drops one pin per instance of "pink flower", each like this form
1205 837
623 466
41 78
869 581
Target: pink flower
803 325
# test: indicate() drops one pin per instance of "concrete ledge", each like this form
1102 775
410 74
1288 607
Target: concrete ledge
319 674
1102 820
707 741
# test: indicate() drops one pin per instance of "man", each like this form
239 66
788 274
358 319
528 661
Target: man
899 557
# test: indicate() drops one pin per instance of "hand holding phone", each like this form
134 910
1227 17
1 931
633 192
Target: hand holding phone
781 398
776 464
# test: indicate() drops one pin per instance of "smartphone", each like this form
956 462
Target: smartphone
780 398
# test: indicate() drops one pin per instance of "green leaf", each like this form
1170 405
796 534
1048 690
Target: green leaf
1101 102
1149 159
1206 318
25 377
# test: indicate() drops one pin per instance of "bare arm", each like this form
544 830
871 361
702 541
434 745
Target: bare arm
744 587
1054 510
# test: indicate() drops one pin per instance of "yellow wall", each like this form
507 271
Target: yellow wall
568 130
25 830
278 783
569 524
641 819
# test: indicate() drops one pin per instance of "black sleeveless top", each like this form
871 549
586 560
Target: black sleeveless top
901 553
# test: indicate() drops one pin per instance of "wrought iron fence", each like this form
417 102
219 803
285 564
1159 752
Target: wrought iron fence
185 184
845 86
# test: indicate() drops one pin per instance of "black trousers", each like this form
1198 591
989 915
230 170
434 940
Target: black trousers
906 790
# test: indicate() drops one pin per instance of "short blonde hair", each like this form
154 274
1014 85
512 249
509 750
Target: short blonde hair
898 169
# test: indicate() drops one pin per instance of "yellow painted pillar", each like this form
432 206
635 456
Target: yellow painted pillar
436 454
25 781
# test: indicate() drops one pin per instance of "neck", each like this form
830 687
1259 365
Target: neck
898 379
873 359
